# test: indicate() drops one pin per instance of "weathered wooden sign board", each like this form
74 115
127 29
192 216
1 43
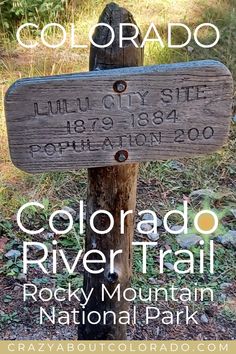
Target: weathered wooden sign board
116 116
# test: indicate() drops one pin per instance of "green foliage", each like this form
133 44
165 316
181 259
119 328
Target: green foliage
63 279
6 228
12 268
7 298
13 12
34 217
8 318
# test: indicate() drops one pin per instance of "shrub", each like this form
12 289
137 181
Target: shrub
14 12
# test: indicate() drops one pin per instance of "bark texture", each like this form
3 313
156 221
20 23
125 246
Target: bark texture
112 189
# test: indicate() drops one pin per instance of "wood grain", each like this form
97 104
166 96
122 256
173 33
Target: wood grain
113 189
71 121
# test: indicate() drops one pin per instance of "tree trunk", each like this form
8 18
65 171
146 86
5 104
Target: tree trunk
112 189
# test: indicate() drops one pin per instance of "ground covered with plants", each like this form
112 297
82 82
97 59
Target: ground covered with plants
206 182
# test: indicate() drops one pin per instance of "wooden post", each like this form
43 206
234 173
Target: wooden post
112 189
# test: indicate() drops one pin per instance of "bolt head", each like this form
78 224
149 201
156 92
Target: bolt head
121 158
121 155
119 86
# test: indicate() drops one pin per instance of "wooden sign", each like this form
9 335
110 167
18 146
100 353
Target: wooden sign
118 116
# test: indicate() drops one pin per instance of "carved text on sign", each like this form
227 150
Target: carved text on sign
79 120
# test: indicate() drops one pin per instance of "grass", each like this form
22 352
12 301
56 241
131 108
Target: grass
165 186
